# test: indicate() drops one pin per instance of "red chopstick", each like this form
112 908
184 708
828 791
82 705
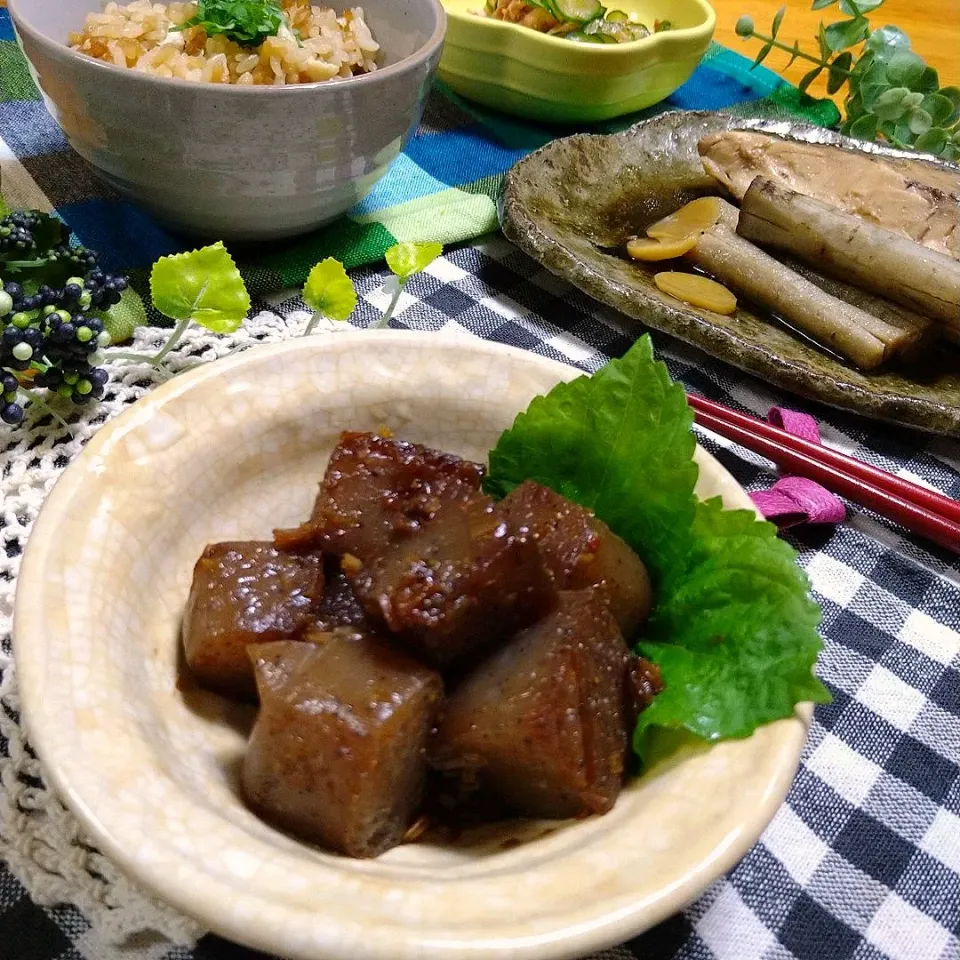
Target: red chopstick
923 511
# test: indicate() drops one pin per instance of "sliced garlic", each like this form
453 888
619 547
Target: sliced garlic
648 249
697 291
689 221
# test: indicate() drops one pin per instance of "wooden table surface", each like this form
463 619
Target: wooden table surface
933 27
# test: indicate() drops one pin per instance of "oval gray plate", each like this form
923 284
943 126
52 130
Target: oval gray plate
574 203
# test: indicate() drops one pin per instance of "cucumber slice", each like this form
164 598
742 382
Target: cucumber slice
580 11
593 27
578 36
616 16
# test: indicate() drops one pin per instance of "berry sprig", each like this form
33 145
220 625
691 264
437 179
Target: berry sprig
55 299
52 300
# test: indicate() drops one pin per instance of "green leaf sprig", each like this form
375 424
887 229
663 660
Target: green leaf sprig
405 260
892 94
329 293
202 286
246 22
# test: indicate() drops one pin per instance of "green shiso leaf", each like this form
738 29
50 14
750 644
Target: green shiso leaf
735 630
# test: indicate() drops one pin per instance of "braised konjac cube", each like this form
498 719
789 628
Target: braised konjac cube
426 553
338 753
245 592
458 584
339 606
540 724
582 551
375 488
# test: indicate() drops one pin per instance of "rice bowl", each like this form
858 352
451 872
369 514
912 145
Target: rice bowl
311 44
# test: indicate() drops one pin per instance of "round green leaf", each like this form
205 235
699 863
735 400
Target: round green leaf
865 128
854 108
889 105
939 107
875 75
870 94
203 285
919 121
884 42
330 291
846 33
912 99
902 134
905 69
952 94
932 141
822 4
929 81
406 259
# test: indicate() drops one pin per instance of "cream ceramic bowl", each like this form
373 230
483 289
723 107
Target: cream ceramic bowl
232 450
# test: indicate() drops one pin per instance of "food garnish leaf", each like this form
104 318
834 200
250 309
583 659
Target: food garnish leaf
330 291
735 630
4 206
124 317
246 22
203 285
406 259
739 628
619 443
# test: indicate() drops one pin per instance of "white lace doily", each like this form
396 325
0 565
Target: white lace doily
45 846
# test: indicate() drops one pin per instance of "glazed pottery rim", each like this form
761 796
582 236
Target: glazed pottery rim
654 42
524 229
198 893
424 53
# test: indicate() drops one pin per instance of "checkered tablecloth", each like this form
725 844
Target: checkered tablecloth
863 860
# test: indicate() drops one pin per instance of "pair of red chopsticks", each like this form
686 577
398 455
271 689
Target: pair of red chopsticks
923 511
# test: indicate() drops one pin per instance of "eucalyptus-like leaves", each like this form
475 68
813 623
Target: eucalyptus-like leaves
892 94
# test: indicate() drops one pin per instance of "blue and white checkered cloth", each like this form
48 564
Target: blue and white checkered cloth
862 862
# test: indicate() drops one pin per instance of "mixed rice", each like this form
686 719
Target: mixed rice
313 44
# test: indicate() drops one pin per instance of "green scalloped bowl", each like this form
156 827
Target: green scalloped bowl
533 75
